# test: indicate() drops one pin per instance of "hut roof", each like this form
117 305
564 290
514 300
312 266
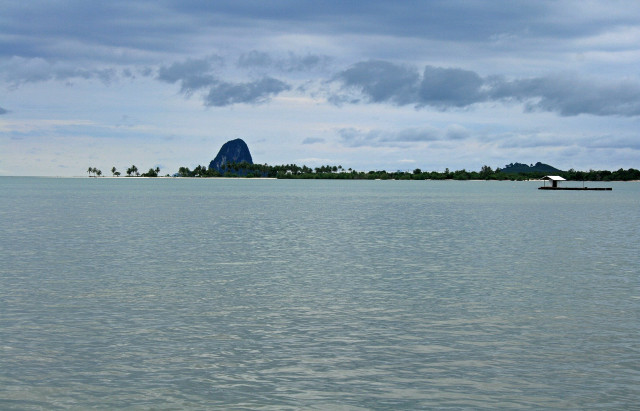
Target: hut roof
553 178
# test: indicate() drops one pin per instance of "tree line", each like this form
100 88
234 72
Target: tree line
293 171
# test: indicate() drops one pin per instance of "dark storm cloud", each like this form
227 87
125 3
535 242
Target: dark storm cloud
446 88
255 92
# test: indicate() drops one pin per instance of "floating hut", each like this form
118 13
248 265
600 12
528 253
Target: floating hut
556 179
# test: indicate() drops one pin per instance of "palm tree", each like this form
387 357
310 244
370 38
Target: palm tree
132 170
98 172
113 170
90 170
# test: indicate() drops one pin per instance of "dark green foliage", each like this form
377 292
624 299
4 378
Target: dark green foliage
602 175
539 167
293 171
152 172
132 170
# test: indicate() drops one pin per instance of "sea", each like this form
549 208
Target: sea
241 294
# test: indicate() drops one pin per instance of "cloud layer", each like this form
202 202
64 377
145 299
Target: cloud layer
445 88
200 74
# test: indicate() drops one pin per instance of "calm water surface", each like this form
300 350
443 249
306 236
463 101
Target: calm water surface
245 294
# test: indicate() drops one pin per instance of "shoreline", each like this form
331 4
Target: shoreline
327 179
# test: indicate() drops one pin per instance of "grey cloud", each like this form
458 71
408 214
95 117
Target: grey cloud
313 140
614 142
75 30
307 62
106 75
571 96
148 29
448 20
533 140
199 74
444 88
291 63
356 138
385 82
353 137
457 132
3 111
414 135
259 91
19 70
450 87
255 58
146 72
382 81
192 74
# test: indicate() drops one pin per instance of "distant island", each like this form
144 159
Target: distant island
293 171
234 160
533 168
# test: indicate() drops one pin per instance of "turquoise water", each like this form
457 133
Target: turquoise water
270 294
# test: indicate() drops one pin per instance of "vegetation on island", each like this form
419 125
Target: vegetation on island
131 172
94 171
293 171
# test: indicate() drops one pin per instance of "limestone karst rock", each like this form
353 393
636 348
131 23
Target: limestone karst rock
234 151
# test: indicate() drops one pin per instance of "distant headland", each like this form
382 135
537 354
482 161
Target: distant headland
234 160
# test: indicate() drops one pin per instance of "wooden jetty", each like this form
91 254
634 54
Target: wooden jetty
554 185
576 188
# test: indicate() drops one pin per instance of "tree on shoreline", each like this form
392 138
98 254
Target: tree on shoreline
95 171
132 170
152 172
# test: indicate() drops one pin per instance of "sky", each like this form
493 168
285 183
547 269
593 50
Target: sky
375 85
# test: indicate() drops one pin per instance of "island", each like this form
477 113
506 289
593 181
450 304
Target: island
234 160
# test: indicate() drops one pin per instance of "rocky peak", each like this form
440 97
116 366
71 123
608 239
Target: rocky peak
234 151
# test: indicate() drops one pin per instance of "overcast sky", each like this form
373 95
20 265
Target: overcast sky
368 85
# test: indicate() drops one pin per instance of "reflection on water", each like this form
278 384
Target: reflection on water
317 294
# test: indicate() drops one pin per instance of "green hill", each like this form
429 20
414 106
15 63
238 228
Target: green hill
523 168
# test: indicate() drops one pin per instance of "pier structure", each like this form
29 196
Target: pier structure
556 179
